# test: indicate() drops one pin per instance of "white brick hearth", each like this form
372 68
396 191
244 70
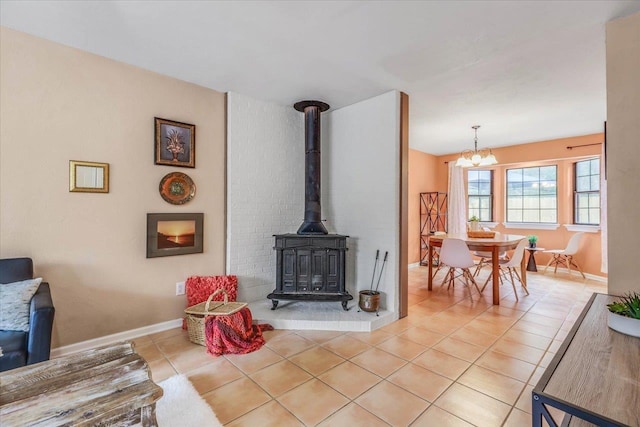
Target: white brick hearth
324 316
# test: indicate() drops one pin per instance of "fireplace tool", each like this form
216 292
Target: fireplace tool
384 261
370 299
375 264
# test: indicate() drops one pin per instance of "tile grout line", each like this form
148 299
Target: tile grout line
396 334
538 364
489 347
470 365
317 345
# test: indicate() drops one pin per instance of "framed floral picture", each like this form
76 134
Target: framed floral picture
175 143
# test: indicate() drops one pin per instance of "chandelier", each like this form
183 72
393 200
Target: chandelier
470 158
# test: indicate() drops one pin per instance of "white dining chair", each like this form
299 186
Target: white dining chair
510 266
486 256
455 254
565 256
436 252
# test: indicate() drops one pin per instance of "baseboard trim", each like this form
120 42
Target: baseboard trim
113 338
575 273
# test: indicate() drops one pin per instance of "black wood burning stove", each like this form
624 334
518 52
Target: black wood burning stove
311 264
310 268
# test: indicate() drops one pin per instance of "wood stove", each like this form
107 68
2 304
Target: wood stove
310 265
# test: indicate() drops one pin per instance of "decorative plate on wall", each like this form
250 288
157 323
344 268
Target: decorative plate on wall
177 188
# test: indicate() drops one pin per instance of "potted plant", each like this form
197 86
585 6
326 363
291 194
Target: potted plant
474 223
533 239
624 314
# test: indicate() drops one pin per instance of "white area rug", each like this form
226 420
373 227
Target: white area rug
182 406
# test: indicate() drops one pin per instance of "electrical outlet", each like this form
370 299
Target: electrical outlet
180 288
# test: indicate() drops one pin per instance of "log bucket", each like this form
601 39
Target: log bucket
369 301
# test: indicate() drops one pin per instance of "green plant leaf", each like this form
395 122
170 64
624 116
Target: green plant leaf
617 307
628 305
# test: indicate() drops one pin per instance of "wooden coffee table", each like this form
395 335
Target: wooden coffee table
109 385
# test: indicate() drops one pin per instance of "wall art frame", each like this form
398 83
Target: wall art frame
175 143
171 234
177 188
88 177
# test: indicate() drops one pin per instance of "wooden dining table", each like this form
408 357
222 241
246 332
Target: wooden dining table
499 243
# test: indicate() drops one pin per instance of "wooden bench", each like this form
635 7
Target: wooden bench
110 385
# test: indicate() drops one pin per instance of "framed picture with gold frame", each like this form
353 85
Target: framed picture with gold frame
175 143
88 177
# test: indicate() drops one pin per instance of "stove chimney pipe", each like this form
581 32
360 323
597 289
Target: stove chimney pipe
312 208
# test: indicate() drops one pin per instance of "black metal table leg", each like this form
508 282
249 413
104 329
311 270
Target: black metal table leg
531 265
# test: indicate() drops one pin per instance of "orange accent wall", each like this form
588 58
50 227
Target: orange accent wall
523 155
422 178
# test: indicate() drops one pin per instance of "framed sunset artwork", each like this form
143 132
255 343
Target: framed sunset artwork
174 234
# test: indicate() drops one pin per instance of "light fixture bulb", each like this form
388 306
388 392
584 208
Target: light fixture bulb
485 162
463 162
475 159
491 159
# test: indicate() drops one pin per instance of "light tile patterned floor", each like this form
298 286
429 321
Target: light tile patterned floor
451 362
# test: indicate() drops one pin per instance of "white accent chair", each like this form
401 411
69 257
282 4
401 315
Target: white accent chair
455 255
511 266
565 256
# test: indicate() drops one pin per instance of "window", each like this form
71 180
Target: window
532 195
480 194
586 195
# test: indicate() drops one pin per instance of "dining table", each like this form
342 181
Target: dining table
496 244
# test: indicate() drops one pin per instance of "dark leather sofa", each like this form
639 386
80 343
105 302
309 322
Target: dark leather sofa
25 348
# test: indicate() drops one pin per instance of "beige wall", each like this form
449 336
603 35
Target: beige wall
59 104
422 178
623 152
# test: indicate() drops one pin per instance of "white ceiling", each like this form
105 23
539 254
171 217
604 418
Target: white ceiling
523 70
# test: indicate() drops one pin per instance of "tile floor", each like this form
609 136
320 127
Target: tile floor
451 362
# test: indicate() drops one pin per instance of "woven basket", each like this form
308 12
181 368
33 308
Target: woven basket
481 234
196 315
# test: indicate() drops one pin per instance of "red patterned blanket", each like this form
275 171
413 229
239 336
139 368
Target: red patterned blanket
234 334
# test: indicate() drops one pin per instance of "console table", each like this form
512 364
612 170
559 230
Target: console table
594 377
106 386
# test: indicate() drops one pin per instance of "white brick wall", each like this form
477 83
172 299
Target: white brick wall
265 188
